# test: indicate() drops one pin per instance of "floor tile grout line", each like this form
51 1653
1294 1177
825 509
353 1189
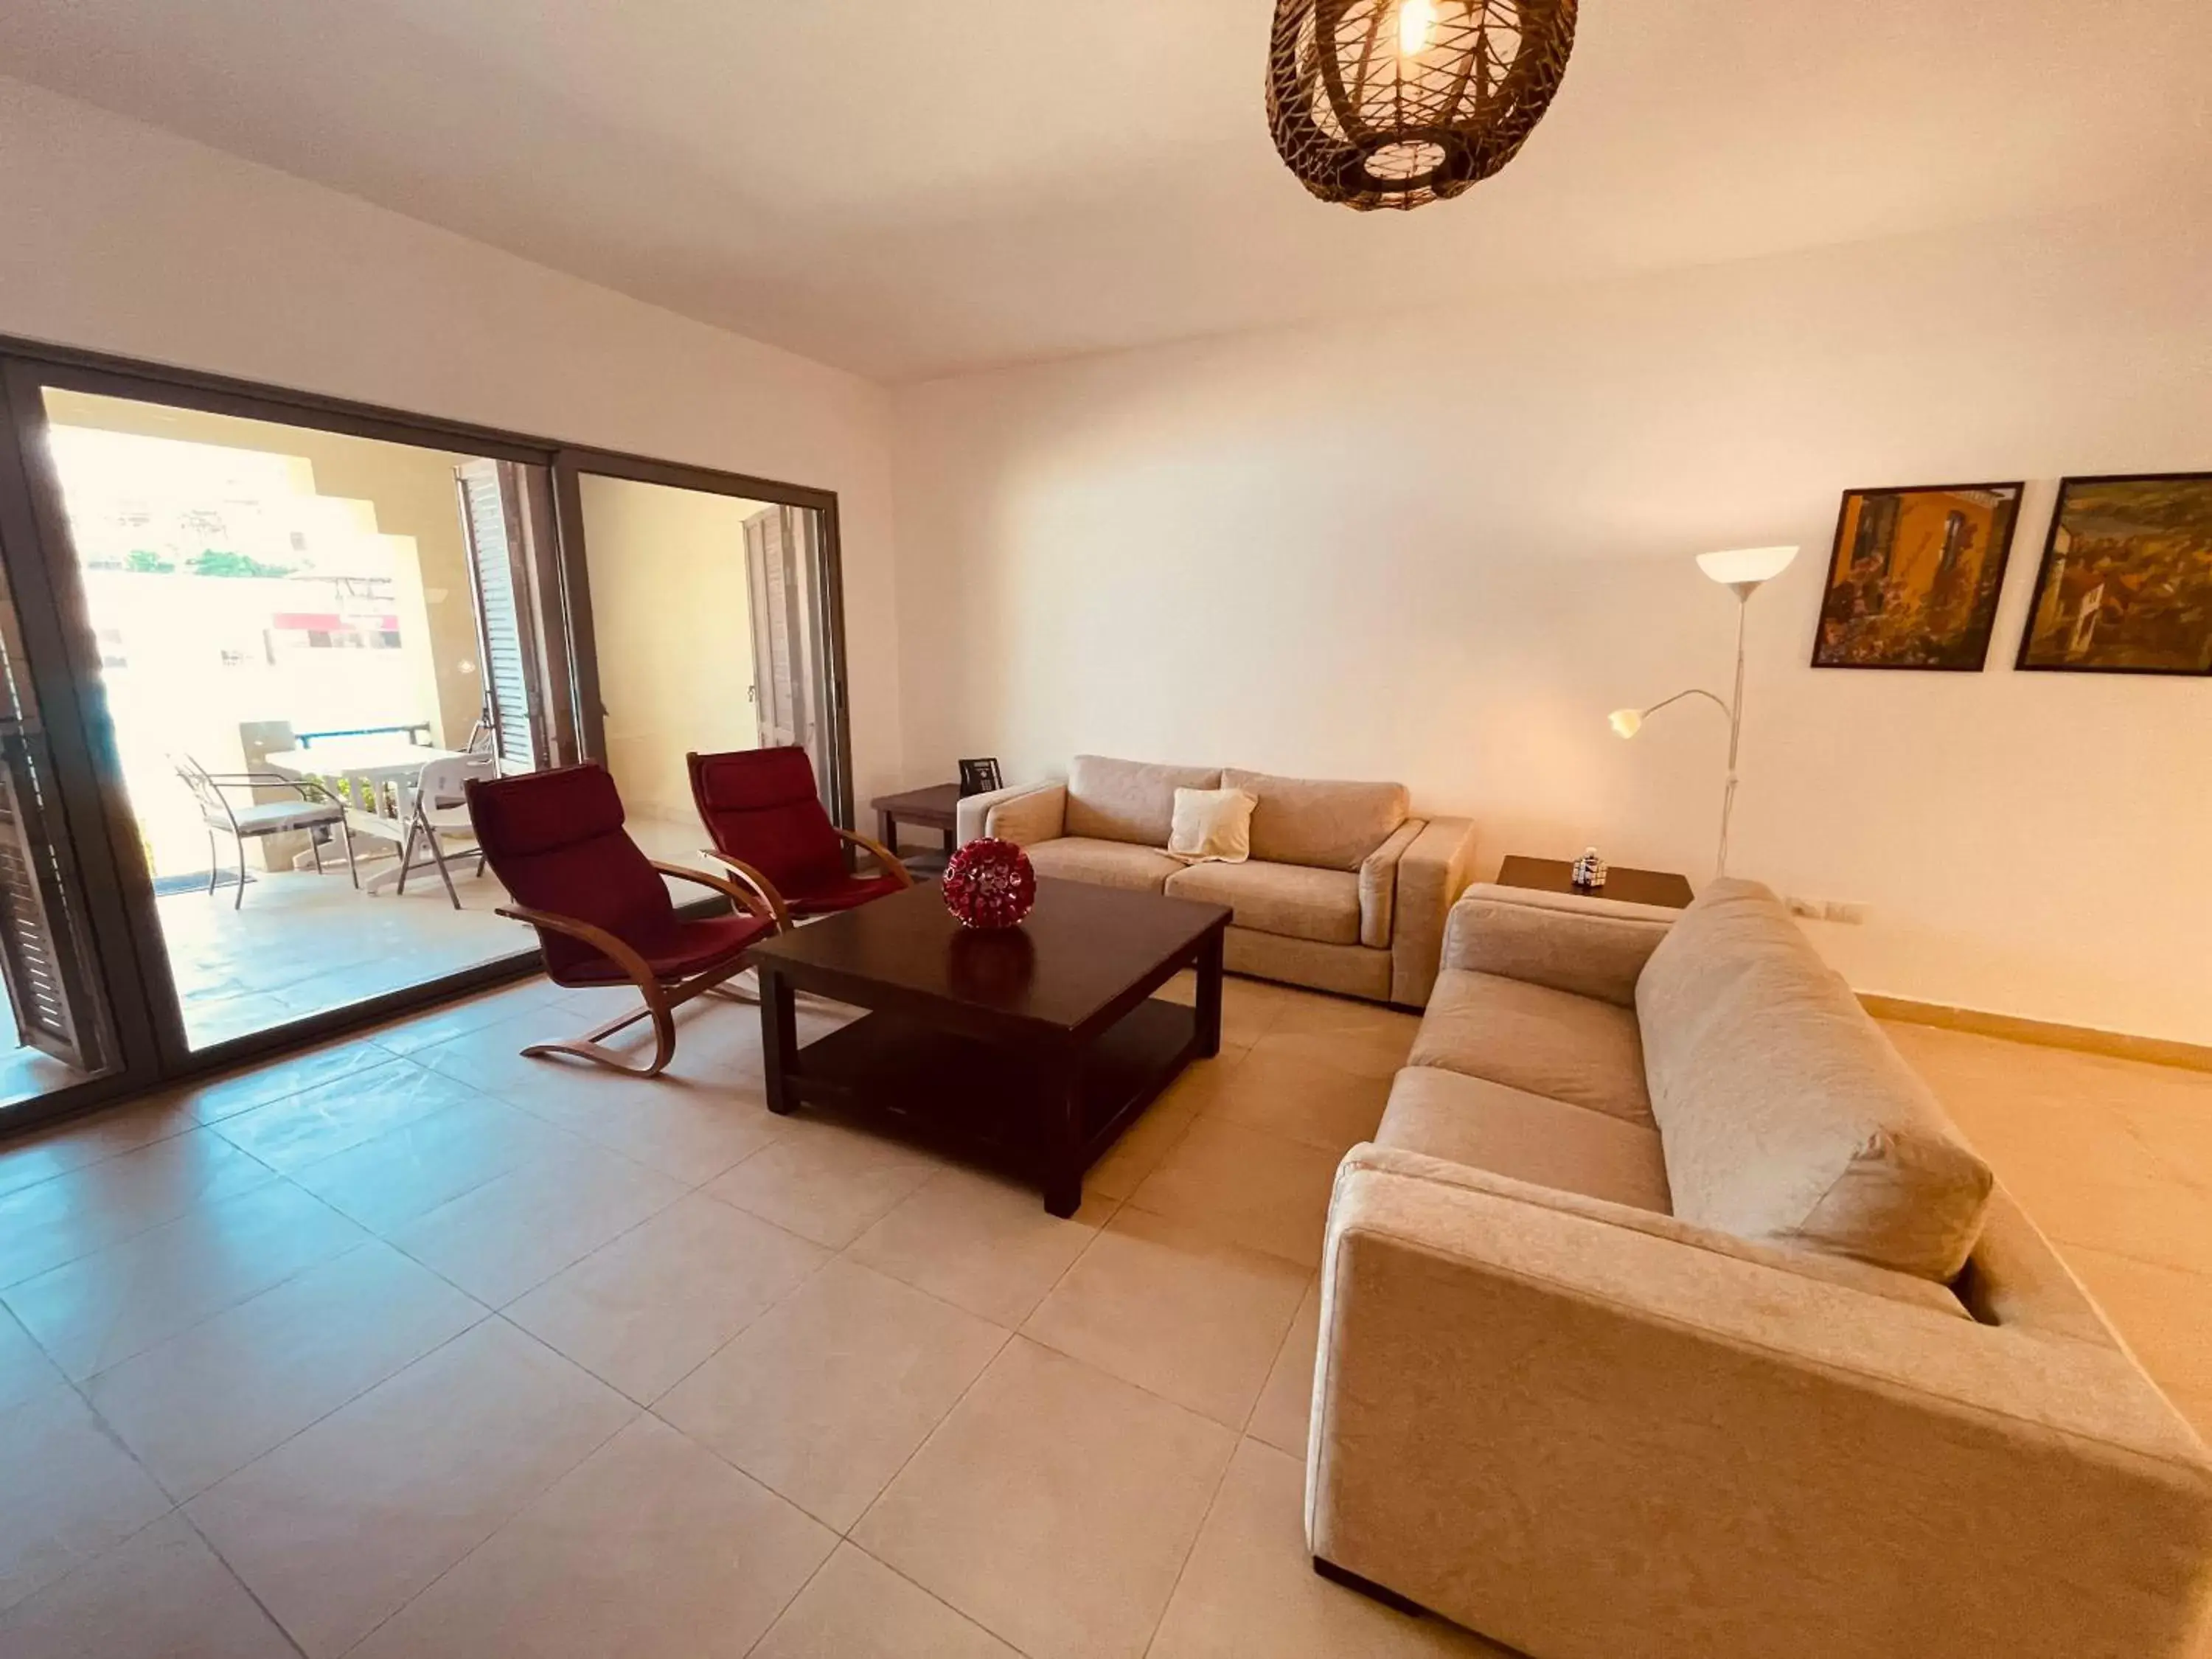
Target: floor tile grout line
107 1432
791 1601
32 1138
287 1094
1183 1567
925 1589
537 1284
239 1579
803 1280
922 1445
366 1389
513 1514
368 1236
515 1104
197 1201
85 1564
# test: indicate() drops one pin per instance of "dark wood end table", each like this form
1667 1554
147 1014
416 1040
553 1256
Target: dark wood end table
935 807
1631 886
1037 1045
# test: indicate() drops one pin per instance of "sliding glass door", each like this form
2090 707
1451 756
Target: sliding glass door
295 644
254 643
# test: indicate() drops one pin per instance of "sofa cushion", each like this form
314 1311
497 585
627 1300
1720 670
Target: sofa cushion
1786 1114
1349 970
1510 1131
1531 1037
1128 800
1323 905
1318 822
1104 863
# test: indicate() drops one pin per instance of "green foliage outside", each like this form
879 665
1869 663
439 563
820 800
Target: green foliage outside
221 561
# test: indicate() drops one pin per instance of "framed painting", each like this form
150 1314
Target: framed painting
1914 577
2125 586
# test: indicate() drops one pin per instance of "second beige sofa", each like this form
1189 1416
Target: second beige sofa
1346 890
1668 1315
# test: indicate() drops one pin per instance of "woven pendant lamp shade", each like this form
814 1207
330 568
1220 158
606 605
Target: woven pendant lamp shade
1393 103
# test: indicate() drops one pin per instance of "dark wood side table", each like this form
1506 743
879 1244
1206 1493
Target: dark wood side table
936 807
1631 886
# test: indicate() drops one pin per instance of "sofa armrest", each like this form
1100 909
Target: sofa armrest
1593 947
1023 813
1582 1439
1378 885
1431 871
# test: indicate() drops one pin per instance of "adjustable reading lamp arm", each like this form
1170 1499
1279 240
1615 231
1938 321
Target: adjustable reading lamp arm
1694 691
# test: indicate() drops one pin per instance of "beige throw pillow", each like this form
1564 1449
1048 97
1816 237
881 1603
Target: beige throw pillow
1211 826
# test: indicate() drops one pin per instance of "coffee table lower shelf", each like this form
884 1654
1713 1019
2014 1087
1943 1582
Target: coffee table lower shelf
1008 1106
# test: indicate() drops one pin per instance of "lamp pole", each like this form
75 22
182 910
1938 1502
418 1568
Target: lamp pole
1743 593
1742 572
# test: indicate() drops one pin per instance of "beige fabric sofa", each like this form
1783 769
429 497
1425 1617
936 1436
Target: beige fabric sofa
1345 891
1668 1315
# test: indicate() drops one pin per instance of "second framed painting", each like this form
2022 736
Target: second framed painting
2125 586
1914 577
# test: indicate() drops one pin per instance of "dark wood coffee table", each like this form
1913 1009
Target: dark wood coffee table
1038 1045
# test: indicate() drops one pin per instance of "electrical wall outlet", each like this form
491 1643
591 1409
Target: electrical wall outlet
1852 912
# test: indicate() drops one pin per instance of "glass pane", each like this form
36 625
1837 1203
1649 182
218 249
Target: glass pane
705 624
292 627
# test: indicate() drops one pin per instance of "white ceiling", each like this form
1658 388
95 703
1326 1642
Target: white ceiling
916 187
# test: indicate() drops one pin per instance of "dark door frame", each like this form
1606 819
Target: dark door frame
571 464
131 965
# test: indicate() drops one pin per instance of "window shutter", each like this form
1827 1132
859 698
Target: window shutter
38 958
491 518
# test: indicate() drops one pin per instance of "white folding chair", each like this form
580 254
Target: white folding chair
440 808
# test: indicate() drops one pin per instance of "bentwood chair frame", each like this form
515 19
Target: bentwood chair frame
661 998
661 994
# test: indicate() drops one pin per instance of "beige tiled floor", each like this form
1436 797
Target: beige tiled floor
410 1347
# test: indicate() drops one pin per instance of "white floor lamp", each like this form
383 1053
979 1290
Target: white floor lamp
1740 570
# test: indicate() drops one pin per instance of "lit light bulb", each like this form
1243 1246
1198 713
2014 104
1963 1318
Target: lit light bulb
1626 721
1417 20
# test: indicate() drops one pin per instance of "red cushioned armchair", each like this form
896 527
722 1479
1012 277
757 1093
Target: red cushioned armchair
603 914
768 824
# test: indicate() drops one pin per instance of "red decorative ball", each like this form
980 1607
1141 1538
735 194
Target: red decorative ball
989 883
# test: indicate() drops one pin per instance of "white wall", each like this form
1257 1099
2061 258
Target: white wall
121 238
1439 547
672 624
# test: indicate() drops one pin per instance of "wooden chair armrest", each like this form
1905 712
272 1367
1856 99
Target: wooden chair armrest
763 893
887 861
621 954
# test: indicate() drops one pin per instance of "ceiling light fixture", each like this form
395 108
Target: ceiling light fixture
1369 127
